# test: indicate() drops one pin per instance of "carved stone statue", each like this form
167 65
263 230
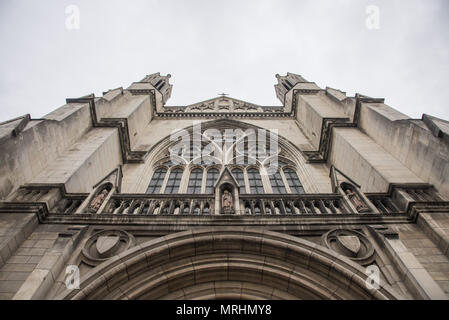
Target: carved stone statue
356 201
97 201
226 202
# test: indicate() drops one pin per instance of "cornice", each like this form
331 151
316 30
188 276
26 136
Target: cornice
213 220
222 115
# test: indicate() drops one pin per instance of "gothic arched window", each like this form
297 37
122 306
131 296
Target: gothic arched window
243 148
293 181
255 181
195 181
277 185
156 181
212 176
239 176
174 180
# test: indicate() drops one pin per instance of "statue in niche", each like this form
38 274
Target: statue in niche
97 201
227 205
355 199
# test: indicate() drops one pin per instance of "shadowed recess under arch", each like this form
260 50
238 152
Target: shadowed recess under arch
231 263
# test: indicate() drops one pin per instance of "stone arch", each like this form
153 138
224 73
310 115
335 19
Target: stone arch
231 263
159 151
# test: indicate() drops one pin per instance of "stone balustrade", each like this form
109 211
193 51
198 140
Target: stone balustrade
298 204
199 204
159 205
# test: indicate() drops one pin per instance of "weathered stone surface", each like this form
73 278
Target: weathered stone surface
106 243
180 245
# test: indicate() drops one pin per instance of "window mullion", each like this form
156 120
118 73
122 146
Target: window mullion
203 181
284 180
164 183
266 183
246 179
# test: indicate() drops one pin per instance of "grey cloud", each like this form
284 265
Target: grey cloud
232 46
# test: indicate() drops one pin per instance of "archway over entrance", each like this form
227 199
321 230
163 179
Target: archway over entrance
227 263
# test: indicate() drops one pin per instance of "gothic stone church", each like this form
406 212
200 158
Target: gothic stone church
99 201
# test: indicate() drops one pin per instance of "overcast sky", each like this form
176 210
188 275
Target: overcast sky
236 47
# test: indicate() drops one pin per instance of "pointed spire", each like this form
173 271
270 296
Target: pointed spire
161 83
155 85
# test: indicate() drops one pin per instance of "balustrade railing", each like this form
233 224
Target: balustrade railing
30 194
204 205
159 205
293 205
201 204
384 204
423 194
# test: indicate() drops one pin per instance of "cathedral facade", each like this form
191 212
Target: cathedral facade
325 196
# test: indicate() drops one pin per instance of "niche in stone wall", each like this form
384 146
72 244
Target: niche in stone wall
99 197
227 197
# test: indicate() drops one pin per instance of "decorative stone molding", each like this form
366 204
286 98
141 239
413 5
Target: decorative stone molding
350 243
251 256
105 244
221 104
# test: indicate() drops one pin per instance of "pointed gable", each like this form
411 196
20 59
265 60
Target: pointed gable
337 177
226 177
223 104
114 177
